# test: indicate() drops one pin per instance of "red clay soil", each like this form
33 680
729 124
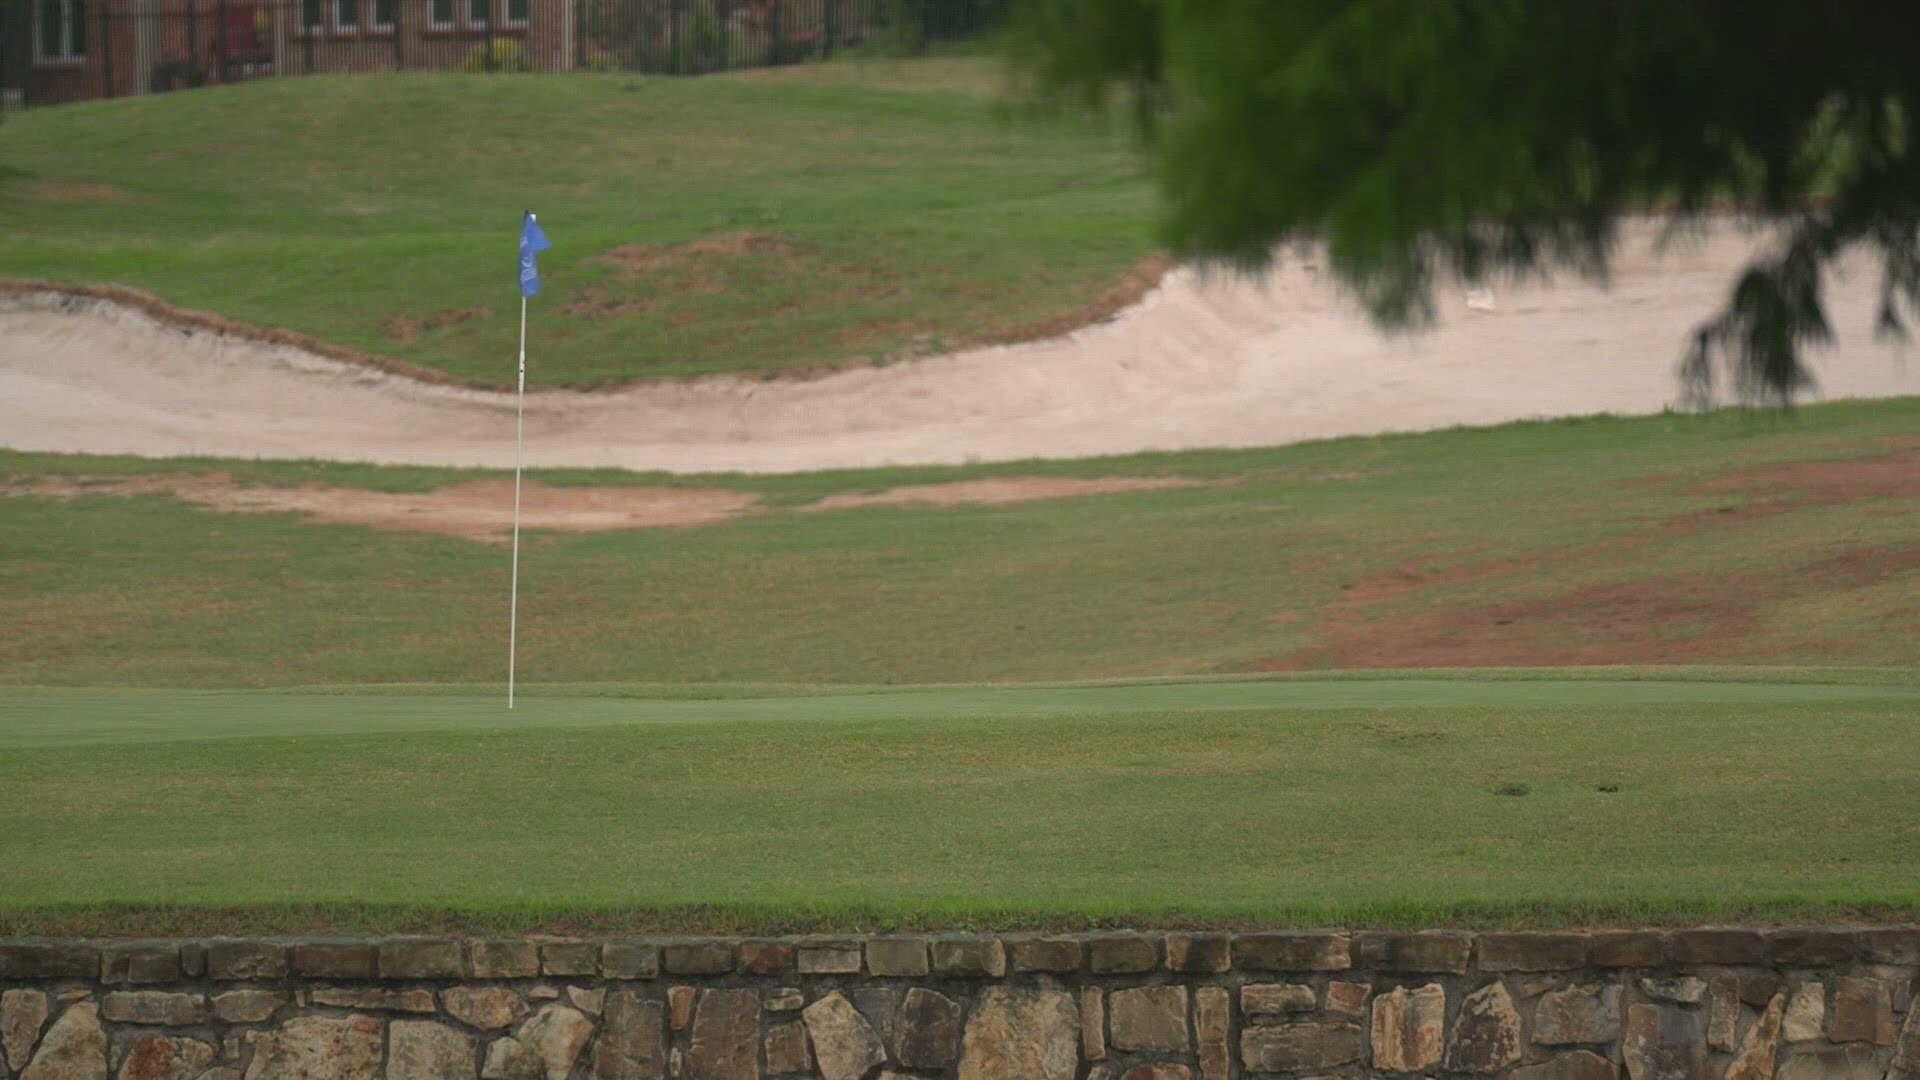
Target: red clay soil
1804 484
1624 623
1825 483
1654 620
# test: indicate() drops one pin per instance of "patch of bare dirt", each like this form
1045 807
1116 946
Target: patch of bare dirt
1797 485
998 491
1672 620
593 302
440 320
654 258
1826 483
1404 581
78 191
479 510
1668 620
1860 566
404 328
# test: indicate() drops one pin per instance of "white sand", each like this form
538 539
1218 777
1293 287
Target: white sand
1200 363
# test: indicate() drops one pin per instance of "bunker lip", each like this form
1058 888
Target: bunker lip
1133 286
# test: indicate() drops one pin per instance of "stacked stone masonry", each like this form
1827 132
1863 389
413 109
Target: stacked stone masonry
1708 1004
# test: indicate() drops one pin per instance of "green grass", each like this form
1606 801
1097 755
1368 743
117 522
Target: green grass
1280 802
900 209
220 722
1578 542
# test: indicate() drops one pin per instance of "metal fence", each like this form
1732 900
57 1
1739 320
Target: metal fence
54 51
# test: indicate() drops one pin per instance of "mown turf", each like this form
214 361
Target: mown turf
1729 539
862 210
1298 801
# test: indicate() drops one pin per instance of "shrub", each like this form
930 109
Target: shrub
507 55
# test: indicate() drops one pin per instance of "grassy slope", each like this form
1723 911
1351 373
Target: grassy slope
917 212
1744 791
1295 801
1660 540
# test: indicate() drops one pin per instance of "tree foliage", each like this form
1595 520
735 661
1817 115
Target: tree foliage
1493 138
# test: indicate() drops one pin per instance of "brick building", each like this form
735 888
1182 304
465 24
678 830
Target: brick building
54 51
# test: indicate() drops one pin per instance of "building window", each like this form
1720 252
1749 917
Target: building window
479 12
441 13
517 11
63 31
311 14
385 13
346 15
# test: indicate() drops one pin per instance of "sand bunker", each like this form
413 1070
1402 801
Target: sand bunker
481 510
1198 363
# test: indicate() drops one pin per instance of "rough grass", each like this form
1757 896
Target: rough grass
1281 802
750 223
1730 539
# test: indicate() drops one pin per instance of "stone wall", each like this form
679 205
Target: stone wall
1705 1004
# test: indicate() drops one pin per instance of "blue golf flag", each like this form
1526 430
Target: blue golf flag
532 242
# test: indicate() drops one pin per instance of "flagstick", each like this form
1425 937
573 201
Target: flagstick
519 436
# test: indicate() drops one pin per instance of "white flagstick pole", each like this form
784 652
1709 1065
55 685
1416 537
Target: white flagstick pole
519 435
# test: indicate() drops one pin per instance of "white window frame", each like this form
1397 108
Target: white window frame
332 17
466 14
507 19
66 57
374 25
448 23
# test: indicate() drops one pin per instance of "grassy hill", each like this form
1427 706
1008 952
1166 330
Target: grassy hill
756 222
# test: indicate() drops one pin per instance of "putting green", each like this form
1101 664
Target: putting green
1633 795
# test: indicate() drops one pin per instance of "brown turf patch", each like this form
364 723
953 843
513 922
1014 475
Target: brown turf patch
999 491
1656 620
478 510
77 191
1824 483
654 258
440 320
401 328
404 328
593 302
1861 566
1799 485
